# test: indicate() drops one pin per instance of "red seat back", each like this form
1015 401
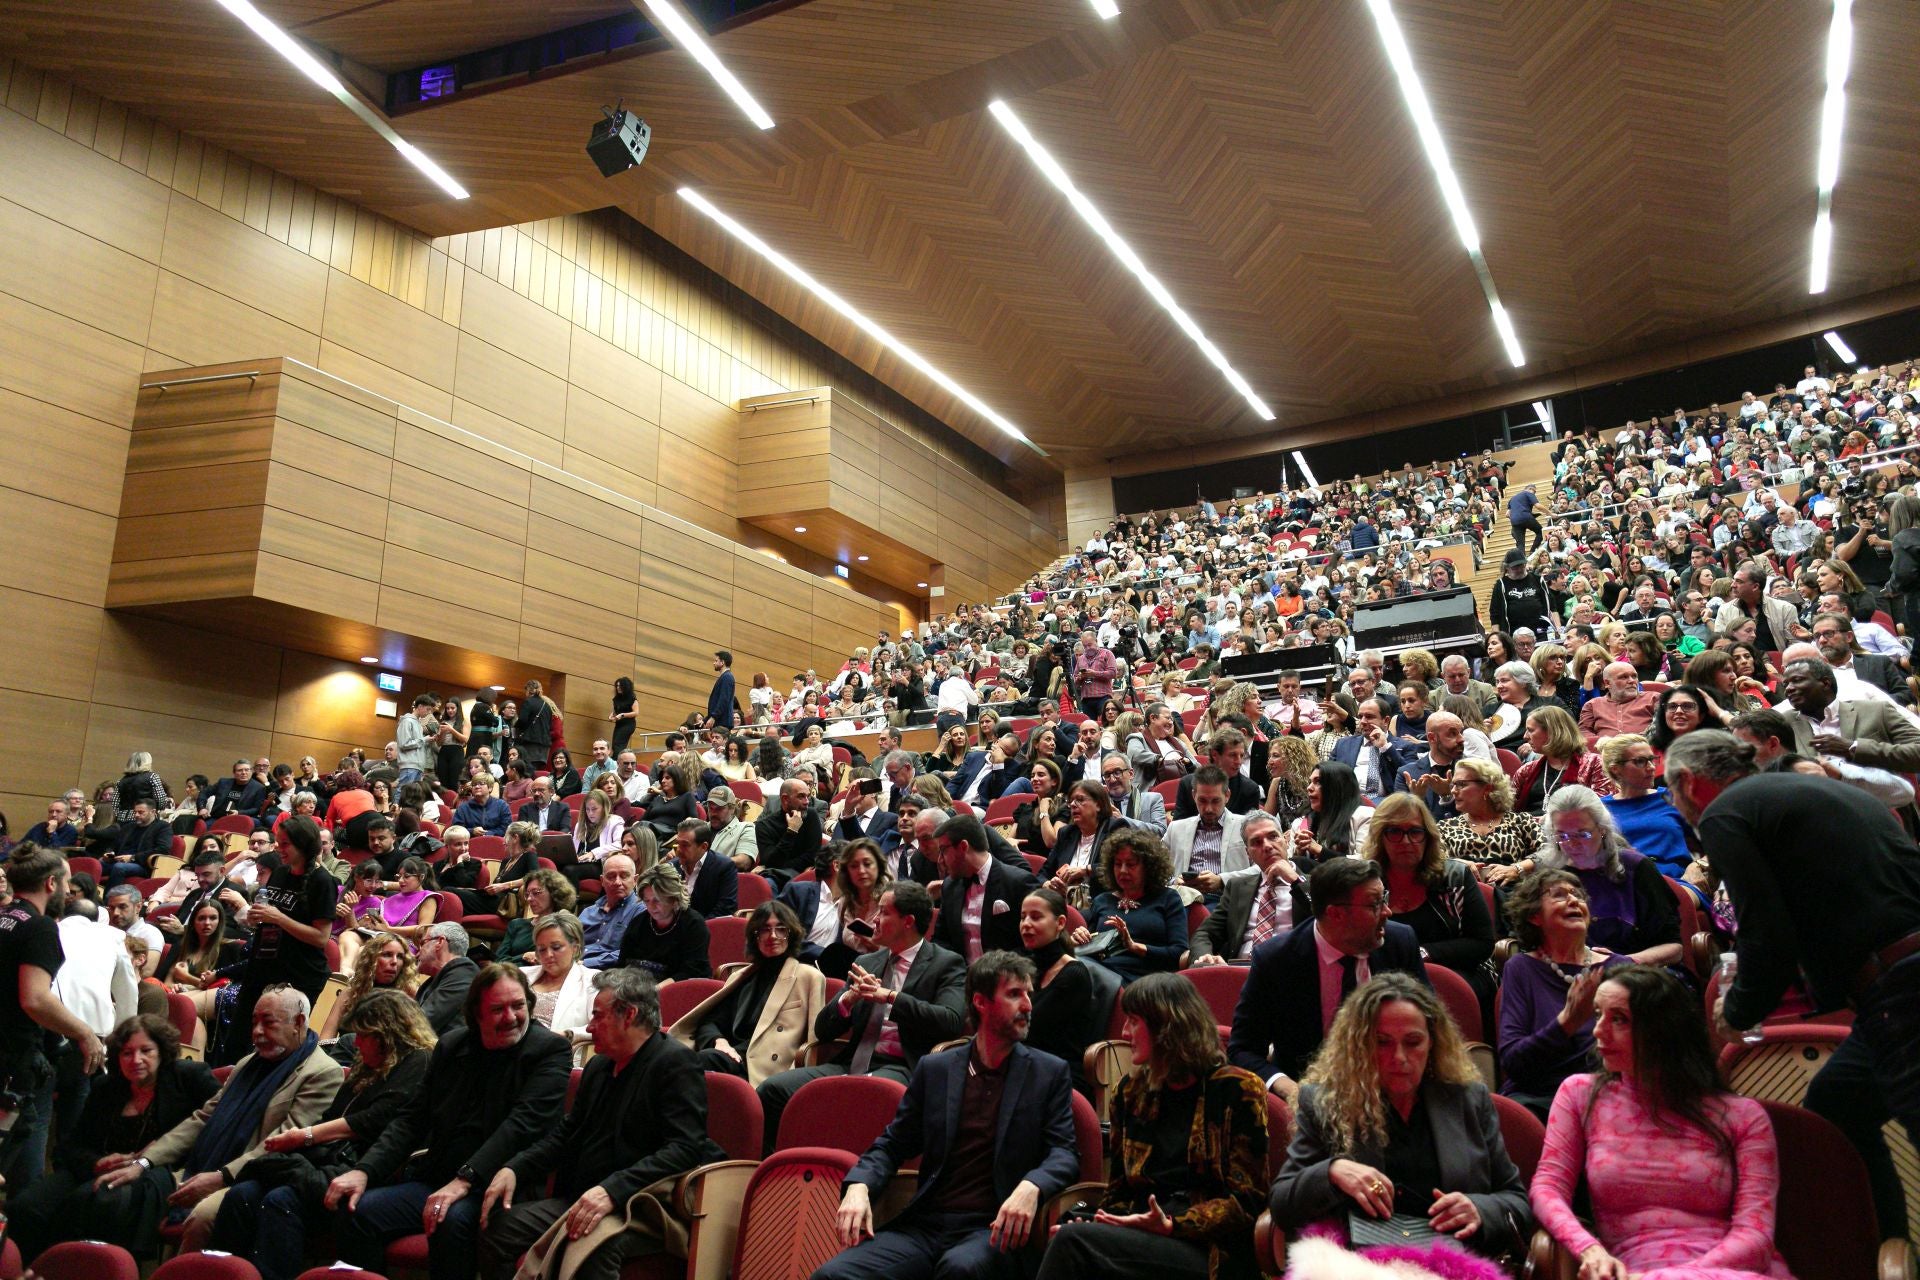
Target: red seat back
754 890
734 1120
1087 1139
1219 985
181 1013
86 1260
238 822
843 1112
79 862
206 1266
787 1215
1197 914
678 999
1522 1132
726 941
1825 1224
1462 1004
1001 811
1509 762
490 848
747 791
1168 791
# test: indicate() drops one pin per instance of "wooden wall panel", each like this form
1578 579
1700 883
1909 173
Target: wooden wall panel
226 255
196 325
95 283
502 382
69 457
383 328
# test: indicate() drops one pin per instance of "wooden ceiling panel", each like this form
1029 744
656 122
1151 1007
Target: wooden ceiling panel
1641 172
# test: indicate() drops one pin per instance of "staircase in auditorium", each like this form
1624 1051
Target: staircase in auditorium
1532 464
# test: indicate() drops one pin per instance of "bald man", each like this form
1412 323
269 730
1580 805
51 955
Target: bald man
1625 707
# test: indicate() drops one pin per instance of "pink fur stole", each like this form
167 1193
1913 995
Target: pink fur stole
1318 1257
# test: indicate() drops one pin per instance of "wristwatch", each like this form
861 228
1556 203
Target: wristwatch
467 1174
143 1162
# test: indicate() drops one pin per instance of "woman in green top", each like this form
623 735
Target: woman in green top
546 891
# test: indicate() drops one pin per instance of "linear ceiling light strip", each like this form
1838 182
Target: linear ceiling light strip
1833 120
1424 123
293 51
795 273
689 38
1056 174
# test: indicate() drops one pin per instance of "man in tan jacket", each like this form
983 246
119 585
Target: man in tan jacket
284 1084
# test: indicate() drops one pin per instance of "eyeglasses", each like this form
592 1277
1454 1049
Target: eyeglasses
1640 762
1573 837
1371 905
1404 833
771 931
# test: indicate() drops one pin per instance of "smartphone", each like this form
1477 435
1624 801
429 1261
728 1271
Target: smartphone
869 786
860 927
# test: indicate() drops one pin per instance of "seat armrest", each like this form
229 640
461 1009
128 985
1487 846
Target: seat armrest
1896 1260
710 1199
1548 1259
817 1052
1269 1245
1106 1062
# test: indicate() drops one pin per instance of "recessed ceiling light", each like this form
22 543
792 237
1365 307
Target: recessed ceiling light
1424 123
1839 345
1056 174
369 660
1833 119
793 272
1106 8
296 53
690 39
799 528
496 687
860 557
919 584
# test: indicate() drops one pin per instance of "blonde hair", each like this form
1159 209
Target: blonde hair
1400 807
1564 739
1346 1077
1613 751
1499 786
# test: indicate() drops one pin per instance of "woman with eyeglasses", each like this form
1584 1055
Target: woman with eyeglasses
1681 710
1486 832
1434 895
562 986
1546 989
1641 810
757 1022
1633 909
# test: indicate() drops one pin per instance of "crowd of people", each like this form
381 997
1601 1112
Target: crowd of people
1692 681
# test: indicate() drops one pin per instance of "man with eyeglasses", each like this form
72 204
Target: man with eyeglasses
1693 616
1833 636
1146 810
1297 981
1253 909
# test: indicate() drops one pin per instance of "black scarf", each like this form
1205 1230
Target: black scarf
1044 958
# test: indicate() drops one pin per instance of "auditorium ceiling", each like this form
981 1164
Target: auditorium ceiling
1641 174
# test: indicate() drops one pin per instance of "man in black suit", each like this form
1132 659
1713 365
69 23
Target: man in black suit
980 901
819 929
991 1122
902 998
542 810
640 1116
1229 751
1297 981
241 794
865 817
713 883
787 834
1253 909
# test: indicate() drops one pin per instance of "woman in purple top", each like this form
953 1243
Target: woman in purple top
1632 910
1546 991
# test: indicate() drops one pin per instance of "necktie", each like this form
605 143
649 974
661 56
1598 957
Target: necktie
877 1027
1349 976
1266 918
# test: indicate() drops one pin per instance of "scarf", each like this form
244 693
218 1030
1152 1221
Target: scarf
242 1104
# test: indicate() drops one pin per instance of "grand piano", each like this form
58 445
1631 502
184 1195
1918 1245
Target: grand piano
1441 622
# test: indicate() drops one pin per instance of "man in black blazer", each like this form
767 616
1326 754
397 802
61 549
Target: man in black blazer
980 899
1374 755
713 882
991 1122
449 974
640 1115
902 998
241 794
1297 981
787 833
543 811
1235 928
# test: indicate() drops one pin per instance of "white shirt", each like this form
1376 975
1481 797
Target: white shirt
973 909
955 695
637 786
97 981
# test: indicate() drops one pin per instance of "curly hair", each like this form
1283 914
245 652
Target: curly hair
156 1028
1524 899
1403 807
1186 1041
1156 863
1494 778
360 980
396 1021
561 895
1347 1076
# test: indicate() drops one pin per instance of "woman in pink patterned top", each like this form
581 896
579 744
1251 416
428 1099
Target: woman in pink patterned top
1683 1176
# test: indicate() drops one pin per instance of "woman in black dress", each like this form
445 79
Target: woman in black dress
450 754
1438 897
1063 1013
291 918
625 717
149 1090
566 778
483 727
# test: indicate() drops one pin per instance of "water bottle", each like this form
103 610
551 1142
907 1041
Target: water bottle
1729 968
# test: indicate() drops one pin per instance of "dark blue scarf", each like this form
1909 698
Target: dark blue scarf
242 1104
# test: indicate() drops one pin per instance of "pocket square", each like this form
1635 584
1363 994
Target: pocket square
1001 908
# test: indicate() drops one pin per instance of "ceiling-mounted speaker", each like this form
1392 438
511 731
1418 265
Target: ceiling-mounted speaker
619 142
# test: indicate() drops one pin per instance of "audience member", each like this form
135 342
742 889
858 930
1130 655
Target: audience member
1064 1006
668 938
981 896
1487 834
562 987
1436 896
1335 824
713 882
1257 907
1645 817
449 973
606 922
1631 908
1141 921
1546 988
1208 844
756 1024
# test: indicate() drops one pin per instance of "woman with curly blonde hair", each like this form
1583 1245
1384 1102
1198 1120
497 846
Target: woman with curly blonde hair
1184 1109
1395 1133
386 967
